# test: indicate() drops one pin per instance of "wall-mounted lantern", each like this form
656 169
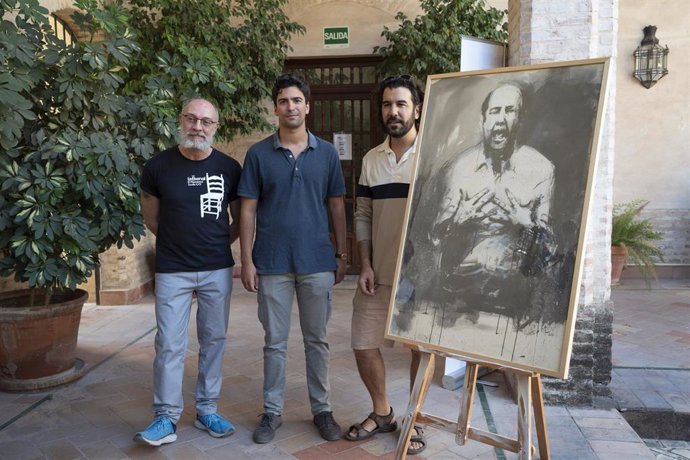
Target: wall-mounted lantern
650 59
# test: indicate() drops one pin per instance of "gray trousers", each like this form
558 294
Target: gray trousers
276 293
173 307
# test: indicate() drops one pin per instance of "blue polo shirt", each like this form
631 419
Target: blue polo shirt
292 208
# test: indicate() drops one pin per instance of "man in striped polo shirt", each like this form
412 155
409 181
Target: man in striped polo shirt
381 201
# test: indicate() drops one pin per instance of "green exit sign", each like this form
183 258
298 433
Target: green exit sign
336 37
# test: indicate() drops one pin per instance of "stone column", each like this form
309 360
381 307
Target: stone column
560 30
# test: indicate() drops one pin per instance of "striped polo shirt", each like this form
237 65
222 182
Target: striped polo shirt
381 200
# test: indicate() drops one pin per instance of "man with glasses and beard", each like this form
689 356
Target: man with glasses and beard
381 201
186 193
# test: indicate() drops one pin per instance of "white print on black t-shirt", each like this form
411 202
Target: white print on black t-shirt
196 181
212 200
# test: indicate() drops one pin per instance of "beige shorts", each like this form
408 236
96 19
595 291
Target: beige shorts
369 319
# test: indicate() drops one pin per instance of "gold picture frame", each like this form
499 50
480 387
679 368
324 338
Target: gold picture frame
492 249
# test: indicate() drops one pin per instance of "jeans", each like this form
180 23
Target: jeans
275 297
173 307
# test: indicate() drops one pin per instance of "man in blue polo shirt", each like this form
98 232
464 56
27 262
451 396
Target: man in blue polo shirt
290 183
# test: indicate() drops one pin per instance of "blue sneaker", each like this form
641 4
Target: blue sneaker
161 431
216 425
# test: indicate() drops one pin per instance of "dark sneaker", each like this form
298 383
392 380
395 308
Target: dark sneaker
161 431
266 430
216 425
328 427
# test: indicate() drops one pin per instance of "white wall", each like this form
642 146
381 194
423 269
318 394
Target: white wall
652 135
652 159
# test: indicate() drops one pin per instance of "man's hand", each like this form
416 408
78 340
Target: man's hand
340 271
466 209
367 281
250 280
472 208
513 211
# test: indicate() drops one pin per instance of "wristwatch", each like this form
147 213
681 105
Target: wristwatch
341 255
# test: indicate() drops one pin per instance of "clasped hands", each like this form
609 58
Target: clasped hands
486 205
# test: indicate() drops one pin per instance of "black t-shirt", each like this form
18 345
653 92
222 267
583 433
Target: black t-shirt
194 223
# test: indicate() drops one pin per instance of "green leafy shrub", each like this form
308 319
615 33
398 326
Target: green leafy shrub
430 43
228 51
69 177
78 121
636 235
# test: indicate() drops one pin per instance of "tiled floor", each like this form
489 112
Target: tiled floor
651 357
96 417
651 349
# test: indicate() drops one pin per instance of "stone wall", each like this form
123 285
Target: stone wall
558 30
127 274
674 224
9 284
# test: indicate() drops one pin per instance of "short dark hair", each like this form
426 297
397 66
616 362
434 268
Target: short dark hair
290 79
401 81
404 81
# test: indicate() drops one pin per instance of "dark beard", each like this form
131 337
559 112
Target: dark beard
398 132
504 153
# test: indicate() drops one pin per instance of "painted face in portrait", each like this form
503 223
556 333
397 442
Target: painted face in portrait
198 125
501 118
398 111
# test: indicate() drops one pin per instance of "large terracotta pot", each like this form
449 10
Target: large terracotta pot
38 344
619 257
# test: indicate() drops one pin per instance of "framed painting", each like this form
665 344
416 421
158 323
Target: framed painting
492 249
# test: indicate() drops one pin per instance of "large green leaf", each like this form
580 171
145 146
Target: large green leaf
430 43
61 117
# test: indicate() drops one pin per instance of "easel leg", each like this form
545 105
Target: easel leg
421 386
524 420
467 401
529 398
539 418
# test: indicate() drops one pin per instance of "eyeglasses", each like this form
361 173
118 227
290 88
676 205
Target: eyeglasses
397 77
192 120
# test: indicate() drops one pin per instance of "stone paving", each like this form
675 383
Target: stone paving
96 417
650 380
669 450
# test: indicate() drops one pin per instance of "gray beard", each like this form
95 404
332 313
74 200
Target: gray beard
194 144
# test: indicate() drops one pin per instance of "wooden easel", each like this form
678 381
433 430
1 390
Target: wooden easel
529 396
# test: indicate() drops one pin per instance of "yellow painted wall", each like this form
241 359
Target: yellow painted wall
365 19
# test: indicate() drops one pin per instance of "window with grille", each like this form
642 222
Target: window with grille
62 30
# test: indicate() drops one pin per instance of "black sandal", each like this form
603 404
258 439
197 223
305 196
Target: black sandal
418 437
384 424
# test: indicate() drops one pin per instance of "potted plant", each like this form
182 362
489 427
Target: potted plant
69 181
633 240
